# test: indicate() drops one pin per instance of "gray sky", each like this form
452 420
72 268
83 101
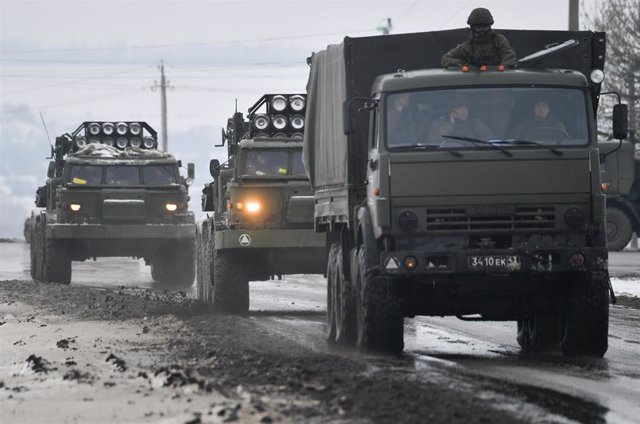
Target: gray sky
76 61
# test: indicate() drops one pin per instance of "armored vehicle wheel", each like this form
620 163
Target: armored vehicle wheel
331 288
199 261
33 258
230 293
156 270
207 263
40 251
345 313
585 324
539 333
57 267
379 312
619 229
174 265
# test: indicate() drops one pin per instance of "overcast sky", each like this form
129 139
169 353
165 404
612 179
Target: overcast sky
75 61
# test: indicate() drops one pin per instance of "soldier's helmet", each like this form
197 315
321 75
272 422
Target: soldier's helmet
480 16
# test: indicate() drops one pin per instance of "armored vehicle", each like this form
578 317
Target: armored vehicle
110 192
622 183
261 222
441 194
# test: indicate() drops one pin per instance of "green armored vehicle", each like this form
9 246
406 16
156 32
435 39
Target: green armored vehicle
261 204
468 192
110 192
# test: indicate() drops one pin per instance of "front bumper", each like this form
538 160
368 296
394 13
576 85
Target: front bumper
269 239
122 231
534 262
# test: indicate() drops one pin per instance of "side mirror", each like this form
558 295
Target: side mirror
191 171
51 171
620 121
214 168
346 117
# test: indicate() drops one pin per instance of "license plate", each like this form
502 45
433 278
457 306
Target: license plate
504 263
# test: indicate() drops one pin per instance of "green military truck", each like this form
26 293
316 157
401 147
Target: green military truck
622 182
261 204
482 214
110 192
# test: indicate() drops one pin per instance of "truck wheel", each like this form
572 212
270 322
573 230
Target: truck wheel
379 312
199 280
207 263
619 229
33 258
585 324
40 251
231 287
331 297
539 333
156 270
345 308
174 265
57 267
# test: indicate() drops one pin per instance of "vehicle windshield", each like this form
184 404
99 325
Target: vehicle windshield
123 175
272 162
85 175
504 116
158 174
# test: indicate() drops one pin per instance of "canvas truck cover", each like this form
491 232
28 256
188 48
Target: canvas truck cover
347 70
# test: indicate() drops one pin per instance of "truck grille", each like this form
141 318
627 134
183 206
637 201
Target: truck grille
491 218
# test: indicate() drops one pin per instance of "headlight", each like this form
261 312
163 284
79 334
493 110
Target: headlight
108 141
261 122
122 142
597 76
135 142
108 128
279 103
253 207
81 142
297 122
75 207
149 142
94 128
171 207
122 128
408 220
135 128
297 103
279 122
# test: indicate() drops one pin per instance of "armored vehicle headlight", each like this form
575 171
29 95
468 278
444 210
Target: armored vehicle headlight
253 207
279 103
597 76
297 136
94 128
108 141
108 128
408 220
171 207
122 128
94 140
135 128
297 103
261 122
135 142
574 217
122 142
279 122
297 122
148 142
81 142
75 207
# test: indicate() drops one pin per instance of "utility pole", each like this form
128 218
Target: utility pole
574 15
164 84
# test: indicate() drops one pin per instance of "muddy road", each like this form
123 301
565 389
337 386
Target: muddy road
112 347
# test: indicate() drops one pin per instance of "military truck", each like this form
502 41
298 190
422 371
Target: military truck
110 192
622 183
261 222
432 218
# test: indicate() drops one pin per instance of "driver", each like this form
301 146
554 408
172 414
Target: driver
264 164
459 123
541 119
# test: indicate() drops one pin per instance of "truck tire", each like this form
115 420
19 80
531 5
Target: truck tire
207 262
585 324
539 333
379 312
174 266
40 251
230 293
619 229
199 280
33 258
331 289
57 267
345 306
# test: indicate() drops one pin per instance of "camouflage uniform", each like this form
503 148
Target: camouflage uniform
495 50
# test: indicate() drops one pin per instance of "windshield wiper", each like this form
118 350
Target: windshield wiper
476 141
529 143
434 147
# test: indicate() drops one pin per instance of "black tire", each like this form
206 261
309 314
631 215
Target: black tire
345 305
331 297
379 312
230 293
57 267
41 250
207 262
585 324
539 333
199 280
157 272
33 258
174 265
619 229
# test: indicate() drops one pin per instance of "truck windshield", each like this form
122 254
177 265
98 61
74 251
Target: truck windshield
509 116
158 174
85 175
123 175
272 162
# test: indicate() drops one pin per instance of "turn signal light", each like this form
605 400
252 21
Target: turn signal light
605 186
410 263
465 68
500 68
483 68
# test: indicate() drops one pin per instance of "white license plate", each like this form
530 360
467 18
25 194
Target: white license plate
495 262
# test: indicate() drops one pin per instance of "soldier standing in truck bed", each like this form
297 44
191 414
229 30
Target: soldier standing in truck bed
486 47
